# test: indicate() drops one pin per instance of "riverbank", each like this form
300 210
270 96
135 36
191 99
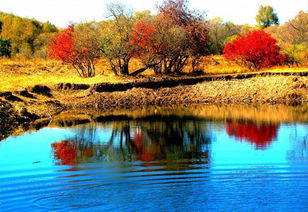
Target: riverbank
220 113
42 101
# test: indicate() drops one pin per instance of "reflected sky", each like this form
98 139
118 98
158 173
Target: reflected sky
157 164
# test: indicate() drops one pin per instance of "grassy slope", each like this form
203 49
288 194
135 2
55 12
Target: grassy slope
17 75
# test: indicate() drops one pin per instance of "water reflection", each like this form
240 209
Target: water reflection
260 135
156 140
160 161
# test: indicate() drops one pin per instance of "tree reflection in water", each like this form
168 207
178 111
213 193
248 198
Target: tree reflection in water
170 140
77 149
260 135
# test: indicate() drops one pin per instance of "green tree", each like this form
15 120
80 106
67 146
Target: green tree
24 34
142 15
266 17
41 45
221 33
47 27
5 47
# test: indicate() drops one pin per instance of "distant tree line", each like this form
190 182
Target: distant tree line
24 37
292 37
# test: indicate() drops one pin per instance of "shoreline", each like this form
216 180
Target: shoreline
220 113
42 102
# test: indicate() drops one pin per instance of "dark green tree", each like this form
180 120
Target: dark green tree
5 47
266 17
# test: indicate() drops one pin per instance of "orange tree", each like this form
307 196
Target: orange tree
257 49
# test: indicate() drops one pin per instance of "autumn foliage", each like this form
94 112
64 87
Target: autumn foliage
144 151
188 35
71 152
76 48
66 152
259 135
142 38
257 49
62 46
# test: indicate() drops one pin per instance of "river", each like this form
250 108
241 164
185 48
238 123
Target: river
177 161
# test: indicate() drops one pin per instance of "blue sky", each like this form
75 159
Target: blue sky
63 12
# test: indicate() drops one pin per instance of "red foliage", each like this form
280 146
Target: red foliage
197 38
259 135
61 47
142 39
144 152
71 152
66 152
257 47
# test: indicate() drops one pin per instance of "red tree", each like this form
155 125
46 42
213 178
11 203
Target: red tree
61 47
145 151
257 48
145 45
142 38
78 48
259 135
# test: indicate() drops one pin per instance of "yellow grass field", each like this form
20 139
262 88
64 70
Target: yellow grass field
19 74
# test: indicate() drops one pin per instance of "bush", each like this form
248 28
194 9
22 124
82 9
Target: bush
257 49
297 53
76 47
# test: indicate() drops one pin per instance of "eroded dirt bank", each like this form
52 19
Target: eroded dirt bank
45 102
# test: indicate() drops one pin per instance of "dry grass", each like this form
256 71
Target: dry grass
19 74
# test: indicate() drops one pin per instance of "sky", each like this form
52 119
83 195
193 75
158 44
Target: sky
64 12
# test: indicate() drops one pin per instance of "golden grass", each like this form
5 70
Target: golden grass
18 74
21 74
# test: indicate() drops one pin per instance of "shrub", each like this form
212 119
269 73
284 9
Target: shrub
297 53
257 49
78 48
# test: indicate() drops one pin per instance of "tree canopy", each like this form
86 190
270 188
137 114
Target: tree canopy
266 17
257 49
23 33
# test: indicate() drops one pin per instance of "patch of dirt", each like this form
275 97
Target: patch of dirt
25 93
43 90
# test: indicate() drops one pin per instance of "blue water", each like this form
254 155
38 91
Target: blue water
157 165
